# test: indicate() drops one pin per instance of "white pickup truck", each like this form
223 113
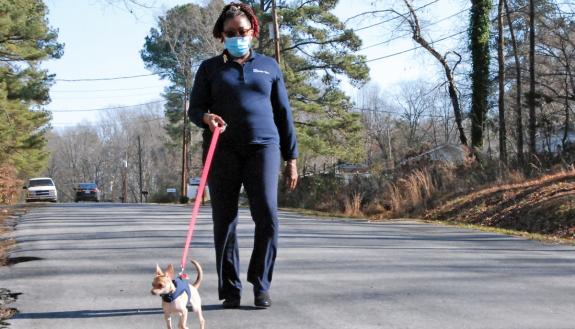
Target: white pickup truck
41 189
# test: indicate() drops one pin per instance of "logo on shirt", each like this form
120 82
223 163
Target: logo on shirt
261 71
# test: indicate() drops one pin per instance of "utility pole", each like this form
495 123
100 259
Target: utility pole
125 182
276 31
184 186
140 165
391 161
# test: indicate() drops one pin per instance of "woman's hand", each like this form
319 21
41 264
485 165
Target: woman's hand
213 121
290 174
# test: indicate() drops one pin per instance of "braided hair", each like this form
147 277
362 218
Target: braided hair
232 10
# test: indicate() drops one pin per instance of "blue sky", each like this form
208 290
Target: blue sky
103 41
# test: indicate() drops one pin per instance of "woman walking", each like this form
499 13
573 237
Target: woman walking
244 92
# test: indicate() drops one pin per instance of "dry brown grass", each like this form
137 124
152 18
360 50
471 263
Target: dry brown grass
485 195
10 186
543 205
413 193
352 204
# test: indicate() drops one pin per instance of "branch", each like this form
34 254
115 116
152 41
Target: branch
315 67
302 5
310 42
368 13
458 61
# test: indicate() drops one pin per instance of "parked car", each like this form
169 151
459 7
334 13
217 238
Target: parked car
41 189
87 192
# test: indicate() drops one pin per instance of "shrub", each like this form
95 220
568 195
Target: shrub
10 186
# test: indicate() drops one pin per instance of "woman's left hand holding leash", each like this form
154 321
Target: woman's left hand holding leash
213 121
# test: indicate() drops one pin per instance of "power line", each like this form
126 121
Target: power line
358 62
370 26
412 49
99 90
107 108
101 124
408 50
197 65
104 96
393 18
410 33
106 79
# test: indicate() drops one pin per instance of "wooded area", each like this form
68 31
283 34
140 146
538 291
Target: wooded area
502 95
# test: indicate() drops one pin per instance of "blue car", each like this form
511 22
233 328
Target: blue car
87 192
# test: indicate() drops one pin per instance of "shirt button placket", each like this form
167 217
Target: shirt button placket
247 68
242 72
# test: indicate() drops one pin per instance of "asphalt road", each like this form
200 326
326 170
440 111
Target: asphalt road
91 265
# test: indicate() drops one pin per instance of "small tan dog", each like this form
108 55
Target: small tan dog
177 294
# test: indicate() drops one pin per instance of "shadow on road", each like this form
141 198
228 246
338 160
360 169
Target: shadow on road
88 314
84 314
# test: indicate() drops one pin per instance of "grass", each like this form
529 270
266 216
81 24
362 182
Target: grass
545 238
322 214
542 208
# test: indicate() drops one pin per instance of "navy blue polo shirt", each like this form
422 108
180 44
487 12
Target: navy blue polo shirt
250 98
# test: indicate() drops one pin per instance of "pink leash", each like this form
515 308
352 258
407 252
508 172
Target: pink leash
199 195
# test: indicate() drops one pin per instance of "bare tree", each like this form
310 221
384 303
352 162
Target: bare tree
453 93
518 86
413 100
501 80
532 114
174 50
96 153
377 117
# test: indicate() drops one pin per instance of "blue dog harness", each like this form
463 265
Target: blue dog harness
181 287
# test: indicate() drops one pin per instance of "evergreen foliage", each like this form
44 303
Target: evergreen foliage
25 40
318 52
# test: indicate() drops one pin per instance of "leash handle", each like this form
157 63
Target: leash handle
200 193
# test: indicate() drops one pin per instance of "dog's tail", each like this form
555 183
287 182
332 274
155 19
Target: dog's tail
200 276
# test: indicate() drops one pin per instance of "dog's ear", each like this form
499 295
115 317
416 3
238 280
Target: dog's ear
170 271
159 270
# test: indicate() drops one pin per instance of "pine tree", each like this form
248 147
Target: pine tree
174 50
25 40
318 51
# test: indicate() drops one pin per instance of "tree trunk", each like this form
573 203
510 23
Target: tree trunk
566 123
479 38
518 109
532 119
501 60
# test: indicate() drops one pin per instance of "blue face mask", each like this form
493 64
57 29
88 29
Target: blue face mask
237 46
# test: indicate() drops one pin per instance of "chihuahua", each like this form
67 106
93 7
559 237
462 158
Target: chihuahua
177 294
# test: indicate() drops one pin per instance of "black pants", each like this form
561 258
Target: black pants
257 168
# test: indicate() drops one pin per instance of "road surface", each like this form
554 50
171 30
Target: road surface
91 265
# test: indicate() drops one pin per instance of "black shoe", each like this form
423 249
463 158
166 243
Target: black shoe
231 303
262 300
